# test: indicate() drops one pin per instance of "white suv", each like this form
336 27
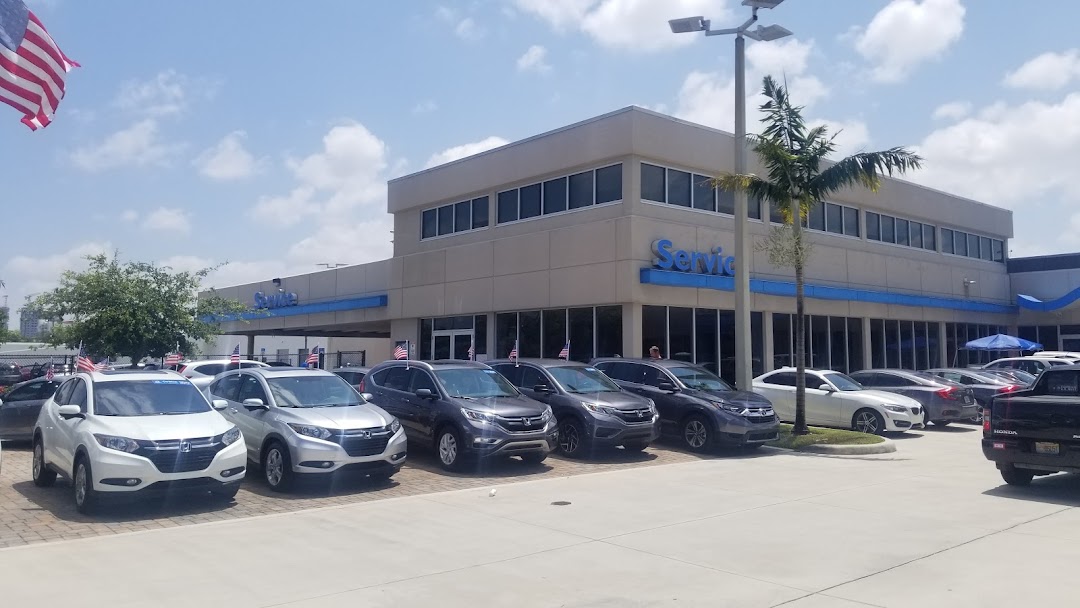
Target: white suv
213 367
135 433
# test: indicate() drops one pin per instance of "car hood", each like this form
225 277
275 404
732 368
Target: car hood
363 416
745 398
620 400
507 407
879 397
161 428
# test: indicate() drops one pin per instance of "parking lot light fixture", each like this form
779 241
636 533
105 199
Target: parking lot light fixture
743 351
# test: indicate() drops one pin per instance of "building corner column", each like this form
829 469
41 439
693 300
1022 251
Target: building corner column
631 330
867 344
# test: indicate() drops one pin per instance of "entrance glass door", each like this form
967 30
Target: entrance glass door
452 344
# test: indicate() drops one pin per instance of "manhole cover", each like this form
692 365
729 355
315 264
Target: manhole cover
560 503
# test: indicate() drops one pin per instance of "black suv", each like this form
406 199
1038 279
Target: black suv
592 410
695 405
462 409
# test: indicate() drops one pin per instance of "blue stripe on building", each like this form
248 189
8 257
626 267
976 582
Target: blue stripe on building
1032 303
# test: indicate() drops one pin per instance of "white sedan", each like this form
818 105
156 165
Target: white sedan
833 399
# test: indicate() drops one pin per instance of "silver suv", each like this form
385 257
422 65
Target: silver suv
304 421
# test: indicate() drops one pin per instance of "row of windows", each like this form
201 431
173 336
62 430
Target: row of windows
594 187
1052 337
904 344
457 217
909 233
592 332
704 336
831 342
972 245
472 332
834 218
959 334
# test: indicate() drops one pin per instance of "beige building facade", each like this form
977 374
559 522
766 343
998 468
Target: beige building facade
605 235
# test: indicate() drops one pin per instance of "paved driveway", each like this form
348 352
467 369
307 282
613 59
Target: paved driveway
930 525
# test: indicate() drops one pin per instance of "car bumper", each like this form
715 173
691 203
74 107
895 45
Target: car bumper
485 441
121 473
611 431
952 412
317 456
1019 454
741 431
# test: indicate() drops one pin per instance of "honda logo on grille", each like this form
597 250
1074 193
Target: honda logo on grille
641 413
185 446
365 434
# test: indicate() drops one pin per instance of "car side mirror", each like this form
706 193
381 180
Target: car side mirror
668 387
219 404
367 396
255 403
67 412
542 388
425 393
826 387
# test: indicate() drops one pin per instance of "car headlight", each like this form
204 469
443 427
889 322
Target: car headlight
730 407
310 431
596 408
547 415
395 426
231 436
899 409
120 444
652 405
478 416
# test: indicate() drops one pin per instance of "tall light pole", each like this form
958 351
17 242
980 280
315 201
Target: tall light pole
744 369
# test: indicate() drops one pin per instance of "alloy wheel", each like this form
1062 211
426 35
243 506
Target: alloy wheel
569 439
866 422
696 434
448 449
274 467
80 484
39 459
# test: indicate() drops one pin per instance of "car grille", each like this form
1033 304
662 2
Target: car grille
521 424
363 442
635 416
916 410
181 455
763 436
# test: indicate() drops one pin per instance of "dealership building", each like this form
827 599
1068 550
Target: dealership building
606 234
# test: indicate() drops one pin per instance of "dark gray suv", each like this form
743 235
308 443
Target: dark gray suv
592 410
695 405
463 409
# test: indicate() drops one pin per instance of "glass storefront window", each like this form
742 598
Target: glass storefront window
783 348
855 344
529 333
554 332
838 344
892 344
581 334
609 330
505 333
480 334
704 194
819 343
681 333
705 339
425 339
653 330
609 185
877 343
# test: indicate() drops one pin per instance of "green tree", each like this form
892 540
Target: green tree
798 177
132 309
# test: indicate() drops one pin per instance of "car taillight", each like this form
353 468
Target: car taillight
986 411
1008 389
949 392
361 386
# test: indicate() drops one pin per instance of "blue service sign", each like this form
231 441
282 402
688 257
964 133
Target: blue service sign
275 300
713 262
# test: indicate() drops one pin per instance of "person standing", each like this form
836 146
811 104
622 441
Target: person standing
654 352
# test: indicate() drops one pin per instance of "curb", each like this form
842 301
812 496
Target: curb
885 447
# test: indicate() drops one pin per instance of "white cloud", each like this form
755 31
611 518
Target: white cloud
633 25
1047 72
425 107
906 33
137 146
851 136
165 219
367 240
228 159
458 152
534 59
167 93
129 216
465 28
27 275
954 110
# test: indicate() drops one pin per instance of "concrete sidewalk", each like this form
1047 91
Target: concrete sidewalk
927 526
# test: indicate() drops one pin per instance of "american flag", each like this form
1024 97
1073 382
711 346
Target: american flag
313 356
565 352
235 356
103 364
49 375
514 352
401 351
82 362
173 359
32 66
472 351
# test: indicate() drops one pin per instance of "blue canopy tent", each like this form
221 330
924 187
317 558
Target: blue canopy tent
1002 342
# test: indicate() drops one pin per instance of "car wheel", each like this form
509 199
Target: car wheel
868 421
449 447
43 475
696 433
277 467
571 438
1017 477
85 496
635 446
534 458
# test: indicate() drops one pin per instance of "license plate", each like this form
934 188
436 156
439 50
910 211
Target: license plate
967 398
1043 447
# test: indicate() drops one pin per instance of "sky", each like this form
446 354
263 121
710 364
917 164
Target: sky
262 132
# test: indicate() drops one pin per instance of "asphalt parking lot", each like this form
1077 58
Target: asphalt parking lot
930 525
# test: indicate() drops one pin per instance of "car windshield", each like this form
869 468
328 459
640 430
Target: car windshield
148 398
312 391
843 382
583 379
475 383
698 378
1000 376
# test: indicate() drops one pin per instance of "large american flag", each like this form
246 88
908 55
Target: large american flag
32 66
313 356
401 351
235 356
82 362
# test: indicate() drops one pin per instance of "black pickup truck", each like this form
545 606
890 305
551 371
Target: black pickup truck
1036 431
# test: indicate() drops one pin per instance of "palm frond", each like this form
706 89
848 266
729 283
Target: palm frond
866 169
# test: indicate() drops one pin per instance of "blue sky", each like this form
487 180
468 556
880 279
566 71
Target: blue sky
262 132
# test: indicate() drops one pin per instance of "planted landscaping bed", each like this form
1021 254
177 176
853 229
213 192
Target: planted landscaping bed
822 436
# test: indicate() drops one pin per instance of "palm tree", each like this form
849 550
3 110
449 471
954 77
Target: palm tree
798 177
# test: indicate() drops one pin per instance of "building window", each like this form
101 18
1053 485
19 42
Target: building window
592 332
928 237
906 344
873 226
683 189
816 218
909 233
705 195
529 201
653 330
557 195
480 334
851 221
681 333
902 233
429 224
831 342
653 185
704 336
458 217
678 188
946 240
609 184
609 331
508 206
463 215
480 212
972 245
529 333
834 218
581 190
581 334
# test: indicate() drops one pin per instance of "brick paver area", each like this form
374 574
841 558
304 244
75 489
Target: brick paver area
29 514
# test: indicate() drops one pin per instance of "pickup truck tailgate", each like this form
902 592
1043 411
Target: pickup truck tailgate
1036 417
